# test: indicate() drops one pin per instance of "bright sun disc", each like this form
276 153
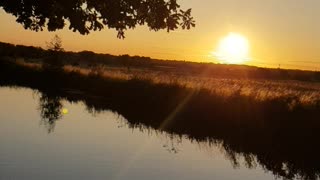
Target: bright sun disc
233 49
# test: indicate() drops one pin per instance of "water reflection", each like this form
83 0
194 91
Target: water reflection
288 149
50 110
281 141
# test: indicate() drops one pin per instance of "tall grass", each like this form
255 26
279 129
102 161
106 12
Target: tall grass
294 92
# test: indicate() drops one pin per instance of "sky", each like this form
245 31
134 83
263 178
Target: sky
280 32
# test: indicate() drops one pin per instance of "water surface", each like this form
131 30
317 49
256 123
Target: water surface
41 140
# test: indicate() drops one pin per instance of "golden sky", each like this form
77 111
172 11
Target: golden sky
285 32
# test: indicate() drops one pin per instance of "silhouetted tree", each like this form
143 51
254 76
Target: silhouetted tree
54 61
55 44
87 15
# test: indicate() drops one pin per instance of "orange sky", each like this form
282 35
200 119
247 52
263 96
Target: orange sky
285 32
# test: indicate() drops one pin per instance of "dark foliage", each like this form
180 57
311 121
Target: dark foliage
91 15
29 52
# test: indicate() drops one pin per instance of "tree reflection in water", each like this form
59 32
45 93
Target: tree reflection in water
286 144
50 110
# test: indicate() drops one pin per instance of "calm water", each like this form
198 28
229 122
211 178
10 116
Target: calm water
84 144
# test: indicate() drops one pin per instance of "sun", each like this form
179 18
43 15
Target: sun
233 49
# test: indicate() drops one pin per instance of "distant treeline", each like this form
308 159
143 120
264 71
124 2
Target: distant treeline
85 58
88 59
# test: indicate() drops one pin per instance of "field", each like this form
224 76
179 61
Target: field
293 91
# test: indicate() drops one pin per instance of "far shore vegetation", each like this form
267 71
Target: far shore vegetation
295 87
